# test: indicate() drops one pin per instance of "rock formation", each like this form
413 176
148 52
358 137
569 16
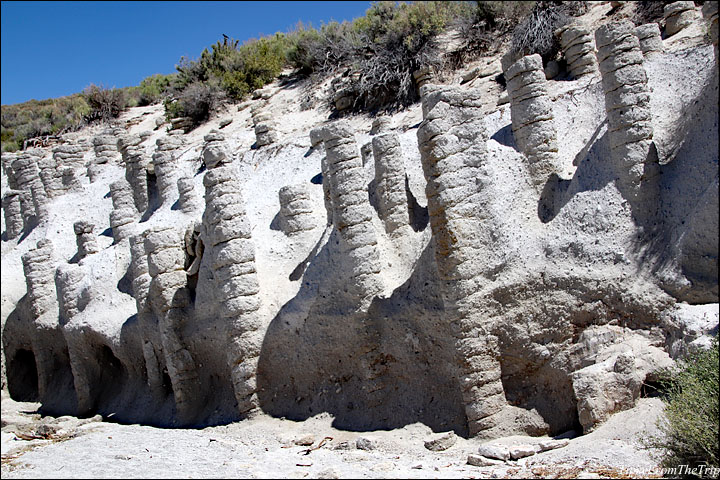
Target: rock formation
649 38
169 297
124 212
452 148
678 15
30 186
627 101
188 200
227 238
390 182
86 241
578 49
13 213
106 153
532 116
352 211
296 211
264 127
164 162
137 176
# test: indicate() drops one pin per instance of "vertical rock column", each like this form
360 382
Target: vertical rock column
50 176
7 161
151 343
264 127
124 212
187 200
678 15
106 153
29 184
296 212
627 102
452 149
165 167
316 140
69 284
86 241
227 234
578 49
39 269
70 160
13 214
169 296
352 212
649 38
390 182
532 117
136 175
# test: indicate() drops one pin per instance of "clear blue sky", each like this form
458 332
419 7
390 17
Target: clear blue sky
52 49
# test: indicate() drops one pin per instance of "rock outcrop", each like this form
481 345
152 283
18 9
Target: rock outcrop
532 116
678 15
627 102
578 49
296 211
164 162
352 211
649 38
452 139
390 182
227 239
13 213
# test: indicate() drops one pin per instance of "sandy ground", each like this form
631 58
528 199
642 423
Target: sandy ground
266 447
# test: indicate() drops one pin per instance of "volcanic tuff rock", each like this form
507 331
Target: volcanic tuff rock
571 252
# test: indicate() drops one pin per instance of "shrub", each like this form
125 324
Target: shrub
105 103
536 34
484 27
197 101
154 88
689 432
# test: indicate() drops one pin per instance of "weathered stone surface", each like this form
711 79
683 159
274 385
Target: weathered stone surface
532 116
678 15
390 182
296 213
626 100
441 443
480 461
498 452
13 213
649 38
577 46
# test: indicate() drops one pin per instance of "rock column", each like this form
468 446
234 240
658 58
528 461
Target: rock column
7 160
532 117
264 127
13 214
51 176
390 182
28 182
165 166
227 235
136 175
86 241
627 102
452 149
69 283
352 212
578 49
151 342
106 153
169 296
124 212
649 38
38 265
296 212
187 200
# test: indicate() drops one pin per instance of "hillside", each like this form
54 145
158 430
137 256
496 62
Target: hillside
513 258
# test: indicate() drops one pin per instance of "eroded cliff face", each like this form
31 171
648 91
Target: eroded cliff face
521 268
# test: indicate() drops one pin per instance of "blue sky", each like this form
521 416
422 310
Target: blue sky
52 49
